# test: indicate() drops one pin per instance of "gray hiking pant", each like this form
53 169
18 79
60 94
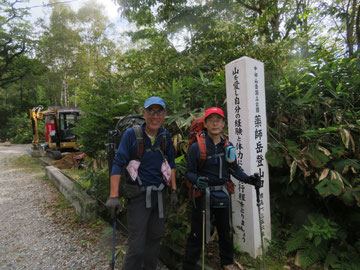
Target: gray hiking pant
145 232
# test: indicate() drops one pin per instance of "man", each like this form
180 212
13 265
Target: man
145 212
213 174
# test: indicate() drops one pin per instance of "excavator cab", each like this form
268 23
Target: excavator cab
60 122
67 122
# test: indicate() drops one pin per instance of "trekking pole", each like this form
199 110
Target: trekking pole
111 153
113 244
203 242
110 149
261 231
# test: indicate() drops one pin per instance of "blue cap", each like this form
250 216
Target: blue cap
154 101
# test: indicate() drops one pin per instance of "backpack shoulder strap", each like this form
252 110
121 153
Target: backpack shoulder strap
202 147
226 140
163 143
162 146
139 141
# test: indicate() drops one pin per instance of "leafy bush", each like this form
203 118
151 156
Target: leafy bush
322 240
102 106
313 154
96 182
19 129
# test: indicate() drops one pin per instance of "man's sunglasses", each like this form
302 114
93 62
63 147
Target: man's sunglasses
152 112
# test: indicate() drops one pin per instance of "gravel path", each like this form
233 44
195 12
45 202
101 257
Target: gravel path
33 235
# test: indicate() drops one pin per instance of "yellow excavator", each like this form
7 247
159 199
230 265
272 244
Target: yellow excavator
60 137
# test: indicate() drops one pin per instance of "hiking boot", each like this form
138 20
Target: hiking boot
229 267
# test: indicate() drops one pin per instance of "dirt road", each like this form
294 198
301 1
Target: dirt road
39 229
32 234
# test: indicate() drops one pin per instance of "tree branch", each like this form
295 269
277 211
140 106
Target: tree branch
253 8
292 20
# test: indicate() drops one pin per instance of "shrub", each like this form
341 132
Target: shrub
19 129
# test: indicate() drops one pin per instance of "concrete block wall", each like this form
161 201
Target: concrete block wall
81 201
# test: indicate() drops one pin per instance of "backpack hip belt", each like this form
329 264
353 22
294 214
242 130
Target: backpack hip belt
158 189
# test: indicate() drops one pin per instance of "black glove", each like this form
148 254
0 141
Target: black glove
255 180
174 197
113 205
202 182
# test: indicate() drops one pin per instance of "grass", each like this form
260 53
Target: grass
80 176
25 162
276 258
64 214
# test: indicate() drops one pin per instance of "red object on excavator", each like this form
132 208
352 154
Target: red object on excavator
78 160
50 129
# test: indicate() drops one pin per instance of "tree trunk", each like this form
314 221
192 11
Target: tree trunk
350 24
358 27
65 90
62 96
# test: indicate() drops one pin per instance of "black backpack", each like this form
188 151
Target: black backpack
128 188
129 121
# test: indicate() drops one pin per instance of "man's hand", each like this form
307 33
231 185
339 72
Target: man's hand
255 180
113 205
174 197
202 182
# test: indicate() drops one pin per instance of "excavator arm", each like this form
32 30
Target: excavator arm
35 115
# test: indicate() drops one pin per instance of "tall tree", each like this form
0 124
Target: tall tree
274 20
345 16
97 51
59 45
76 48
15 33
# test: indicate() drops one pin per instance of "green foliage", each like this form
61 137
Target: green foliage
344 257
96 182
14 41
311 255
312 241
187 95
322 240
19 130
321 229
102 106
329 187
23 162
313 110
274 155
76 49
177 226
313 144
296 241
311 91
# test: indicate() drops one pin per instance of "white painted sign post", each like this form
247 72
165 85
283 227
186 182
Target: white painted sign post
246 111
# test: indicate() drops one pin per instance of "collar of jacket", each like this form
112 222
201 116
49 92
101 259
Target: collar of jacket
208 139
160 131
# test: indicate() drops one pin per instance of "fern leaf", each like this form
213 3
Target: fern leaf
296 241
312 254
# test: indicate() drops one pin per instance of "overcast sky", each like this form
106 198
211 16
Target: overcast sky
39 9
